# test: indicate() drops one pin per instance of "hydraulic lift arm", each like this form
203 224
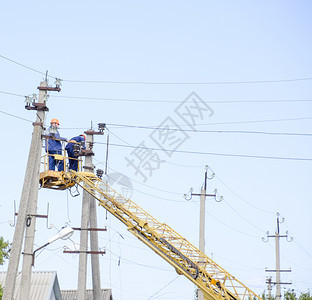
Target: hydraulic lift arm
213 280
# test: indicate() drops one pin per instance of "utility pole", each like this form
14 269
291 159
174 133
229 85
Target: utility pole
278 270
28 202
89 218
269 283
203 194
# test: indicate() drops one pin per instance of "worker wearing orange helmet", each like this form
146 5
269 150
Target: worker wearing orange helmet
72 154
54 145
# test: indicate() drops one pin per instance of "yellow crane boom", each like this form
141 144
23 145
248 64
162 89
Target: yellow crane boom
213 280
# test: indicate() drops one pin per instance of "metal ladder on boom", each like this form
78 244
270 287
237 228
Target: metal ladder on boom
213 280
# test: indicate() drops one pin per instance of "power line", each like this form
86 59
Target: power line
236 263
163 83
199 131
139 264
229 226
237 196
168 101
211 131
299 244
212 153
190 83
179 101
148 194
149 186
163 287
226 123
161 198
11 94
14 116
148 101
255 226
24 66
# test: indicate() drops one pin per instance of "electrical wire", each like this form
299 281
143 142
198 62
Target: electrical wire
139 264
163 287
149 186
212 153
211 131
299 244
190 83
240 198
22 65
12 94
163 83
220 123
14 116
196 131
149 101
238 264
255 226
67 202
161 198
148 194
215 218
124 244
232 228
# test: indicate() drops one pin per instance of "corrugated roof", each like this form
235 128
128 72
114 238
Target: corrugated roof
106 294
44 285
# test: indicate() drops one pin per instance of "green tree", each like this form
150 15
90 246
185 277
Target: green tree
290 295
305 296
4 254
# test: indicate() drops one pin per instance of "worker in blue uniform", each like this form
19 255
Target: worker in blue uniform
72 154
54 146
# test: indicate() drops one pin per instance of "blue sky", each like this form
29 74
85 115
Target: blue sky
135 63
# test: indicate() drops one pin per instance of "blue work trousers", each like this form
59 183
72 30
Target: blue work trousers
53 162
73 163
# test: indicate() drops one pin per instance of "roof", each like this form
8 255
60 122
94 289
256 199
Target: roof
106 294
44 285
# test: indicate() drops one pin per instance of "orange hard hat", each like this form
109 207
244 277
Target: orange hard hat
83 136
55 121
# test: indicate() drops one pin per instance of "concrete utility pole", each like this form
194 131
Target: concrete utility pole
269 283
202 215
89 218
28 204
278 270
82 273
203 194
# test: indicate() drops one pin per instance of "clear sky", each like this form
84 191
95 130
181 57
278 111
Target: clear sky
133 65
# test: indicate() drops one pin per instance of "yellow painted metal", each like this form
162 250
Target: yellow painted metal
213 280
58 156
54 179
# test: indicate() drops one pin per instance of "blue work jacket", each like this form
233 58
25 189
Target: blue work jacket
78 139
53 145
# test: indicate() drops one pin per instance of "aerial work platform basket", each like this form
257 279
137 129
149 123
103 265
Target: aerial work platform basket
57 180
